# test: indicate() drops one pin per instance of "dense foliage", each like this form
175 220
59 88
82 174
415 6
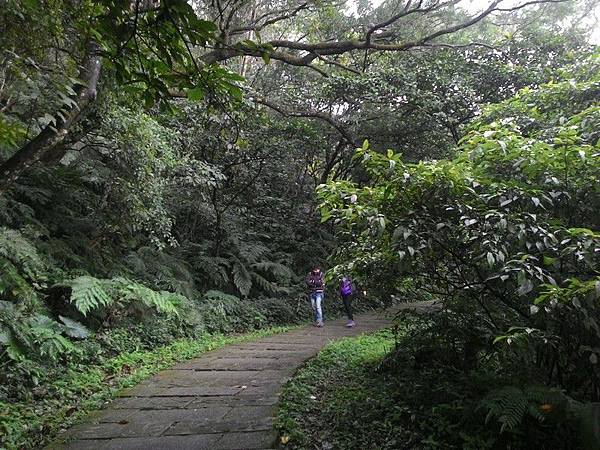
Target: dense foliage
505 236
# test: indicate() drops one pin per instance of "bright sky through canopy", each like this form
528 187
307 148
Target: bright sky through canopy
475 6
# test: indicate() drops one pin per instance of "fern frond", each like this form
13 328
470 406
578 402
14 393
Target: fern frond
263 283
164 270
13 285
88 293
74 329
241 278
26 335
22 253
251 252
130 291
508 405
278 270
213 267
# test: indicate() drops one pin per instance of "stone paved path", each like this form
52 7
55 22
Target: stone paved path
223 400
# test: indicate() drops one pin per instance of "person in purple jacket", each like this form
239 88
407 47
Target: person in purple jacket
315 283
346 289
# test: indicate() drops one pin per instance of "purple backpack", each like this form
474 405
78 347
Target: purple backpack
346 287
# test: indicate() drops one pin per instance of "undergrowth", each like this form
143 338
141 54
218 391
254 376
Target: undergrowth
354 395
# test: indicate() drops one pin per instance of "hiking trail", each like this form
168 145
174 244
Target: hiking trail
223 400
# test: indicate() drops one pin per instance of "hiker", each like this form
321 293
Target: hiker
346 294
316 288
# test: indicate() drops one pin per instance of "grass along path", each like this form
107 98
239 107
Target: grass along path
351 396
329 404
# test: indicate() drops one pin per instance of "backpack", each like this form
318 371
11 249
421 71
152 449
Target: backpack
346 287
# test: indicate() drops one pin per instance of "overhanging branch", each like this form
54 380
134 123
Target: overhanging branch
302 53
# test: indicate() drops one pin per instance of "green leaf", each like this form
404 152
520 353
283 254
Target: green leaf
74 329
325 214
195 94
87 293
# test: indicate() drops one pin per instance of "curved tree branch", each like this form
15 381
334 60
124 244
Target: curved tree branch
288 51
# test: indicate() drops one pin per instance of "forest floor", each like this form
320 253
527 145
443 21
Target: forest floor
225 399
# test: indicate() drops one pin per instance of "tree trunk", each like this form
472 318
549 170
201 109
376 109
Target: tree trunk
54 134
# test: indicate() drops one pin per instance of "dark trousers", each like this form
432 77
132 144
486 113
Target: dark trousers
348 306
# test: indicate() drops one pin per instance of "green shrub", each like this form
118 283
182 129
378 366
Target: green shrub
225 313
280 311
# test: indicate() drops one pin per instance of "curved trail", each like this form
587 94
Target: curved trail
222 400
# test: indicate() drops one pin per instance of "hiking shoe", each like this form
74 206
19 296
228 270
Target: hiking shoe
350 324
320 324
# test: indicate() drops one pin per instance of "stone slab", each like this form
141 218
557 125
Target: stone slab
196 442
212 413
113 430
146 391
230 426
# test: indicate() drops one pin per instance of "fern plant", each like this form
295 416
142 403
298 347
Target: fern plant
89 293
26 336
162 270
242 279
23 254
253 266
129 291
510 405
21 268
12 284
225 313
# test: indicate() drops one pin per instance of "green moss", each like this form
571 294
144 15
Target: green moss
67 400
